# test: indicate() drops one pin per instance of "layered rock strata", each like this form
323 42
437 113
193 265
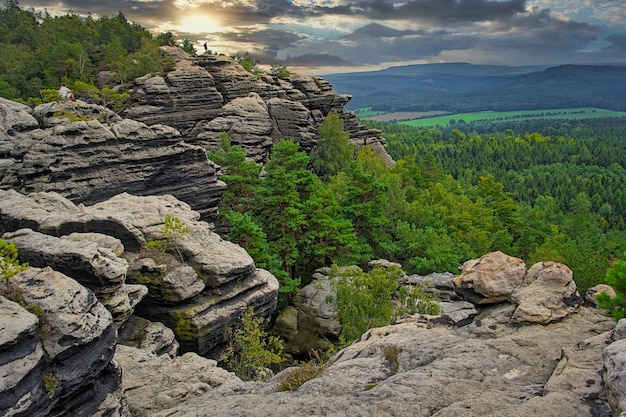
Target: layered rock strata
88 161
57 344
209 94
503 363
197 296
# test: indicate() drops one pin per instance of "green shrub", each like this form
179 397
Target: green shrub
365 300
615 277
250 351
9 262
173 231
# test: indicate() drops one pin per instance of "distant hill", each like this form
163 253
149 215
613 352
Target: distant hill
463 87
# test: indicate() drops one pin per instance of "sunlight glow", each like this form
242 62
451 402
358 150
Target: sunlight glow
198 24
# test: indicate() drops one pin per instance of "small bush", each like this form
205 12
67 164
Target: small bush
9 262
615 277
250 351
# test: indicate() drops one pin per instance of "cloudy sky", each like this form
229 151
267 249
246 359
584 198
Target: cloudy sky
325 36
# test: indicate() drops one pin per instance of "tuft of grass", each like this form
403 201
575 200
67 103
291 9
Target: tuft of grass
391 353
299 375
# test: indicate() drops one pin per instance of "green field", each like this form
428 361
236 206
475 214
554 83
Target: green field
490 116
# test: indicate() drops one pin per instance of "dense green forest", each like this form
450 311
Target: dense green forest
452 196
39 51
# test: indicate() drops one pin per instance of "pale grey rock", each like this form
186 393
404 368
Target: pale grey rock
15 117
103 241
22 358
438 371
74 334
548 293
619 332
615 376
439 284
206 95
123 301
231 280
312 323
94 267
590 294
90 161
490 279
153 337
459 312
154 383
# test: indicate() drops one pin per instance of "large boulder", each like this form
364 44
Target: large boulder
614 357
153 383
57 360
490 279
548 293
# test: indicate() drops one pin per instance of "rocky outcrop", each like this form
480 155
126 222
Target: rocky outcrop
209 94
93 266
425 369
88 161
57 343
197 302
153 383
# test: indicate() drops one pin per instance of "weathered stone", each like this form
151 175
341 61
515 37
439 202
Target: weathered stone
94 267
490 279
412 370
88 162
153 337
153 383
77 335
615 376
590 294
123 301
228 277
439 284
548 293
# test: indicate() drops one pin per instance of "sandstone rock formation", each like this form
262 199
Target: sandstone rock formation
206 95
89 161
57 343
197 303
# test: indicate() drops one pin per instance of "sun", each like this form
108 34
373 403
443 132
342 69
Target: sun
198 24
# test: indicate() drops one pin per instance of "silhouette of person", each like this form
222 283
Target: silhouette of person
206 47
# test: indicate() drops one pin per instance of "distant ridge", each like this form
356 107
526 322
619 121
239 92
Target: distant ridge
465 87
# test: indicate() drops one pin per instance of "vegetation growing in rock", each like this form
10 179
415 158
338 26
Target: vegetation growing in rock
49 383
615 277
250 350
299 374
9 261
365 300
173 231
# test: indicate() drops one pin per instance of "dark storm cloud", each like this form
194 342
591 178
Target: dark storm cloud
273 38
618 42
431 10
262 12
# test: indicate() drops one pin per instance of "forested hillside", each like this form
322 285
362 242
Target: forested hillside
39 51
557 195
460 87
